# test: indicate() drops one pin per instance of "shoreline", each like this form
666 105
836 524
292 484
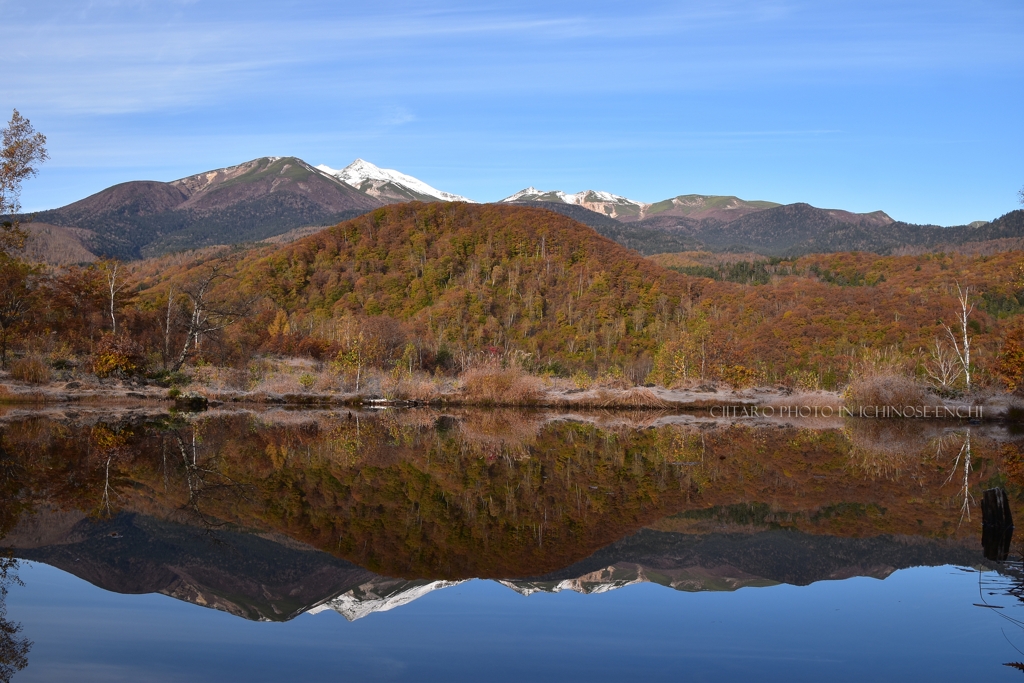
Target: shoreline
760 403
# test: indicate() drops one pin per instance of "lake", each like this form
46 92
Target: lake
503 545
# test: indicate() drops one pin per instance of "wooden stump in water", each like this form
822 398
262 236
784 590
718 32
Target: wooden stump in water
997 524
995 509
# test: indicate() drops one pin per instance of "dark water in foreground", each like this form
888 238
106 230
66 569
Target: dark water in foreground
504 545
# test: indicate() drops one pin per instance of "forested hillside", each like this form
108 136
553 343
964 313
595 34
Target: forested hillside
445 287
799 229
470 280
461 282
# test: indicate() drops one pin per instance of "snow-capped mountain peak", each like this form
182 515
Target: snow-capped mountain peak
612 205
380 596
388 184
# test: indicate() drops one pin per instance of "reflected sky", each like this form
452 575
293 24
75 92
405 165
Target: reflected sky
918 624
504 545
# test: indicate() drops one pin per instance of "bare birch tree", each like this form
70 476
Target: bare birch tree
944 368
962 347
167 326
204 315
111 271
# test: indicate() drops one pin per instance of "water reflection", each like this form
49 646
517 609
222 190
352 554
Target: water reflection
14 648
539 501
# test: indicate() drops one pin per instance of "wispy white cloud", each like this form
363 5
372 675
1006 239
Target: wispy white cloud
85 62
179 86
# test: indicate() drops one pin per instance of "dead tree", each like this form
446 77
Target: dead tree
945 368
204 315
962 347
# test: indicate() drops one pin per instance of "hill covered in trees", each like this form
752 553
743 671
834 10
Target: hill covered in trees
442 288
460 282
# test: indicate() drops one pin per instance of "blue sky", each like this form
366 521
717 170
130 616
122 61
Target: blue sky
914 108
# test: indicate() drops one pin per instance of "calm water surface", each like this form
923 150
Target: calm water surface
505 545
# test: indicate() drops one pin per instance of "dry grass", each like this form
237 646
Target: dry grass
419 388
218 379
884 390
884 378
500 433
31 369
637 397
491 384
813 399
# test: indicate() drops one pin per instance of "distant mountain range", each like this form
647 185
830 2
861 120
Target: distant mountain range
269 197
244 203
626 210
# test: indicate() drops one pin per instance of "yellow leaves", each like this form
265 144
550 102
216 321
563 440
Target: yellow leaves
103 439
280 324
740 376
278 455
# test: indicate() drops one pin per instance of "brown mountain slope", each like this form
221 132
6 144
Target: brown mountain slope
55 245
797 229
698 206
251 201
463 281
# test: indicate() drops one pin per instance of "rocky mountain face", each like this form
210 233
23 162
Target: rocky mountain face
604 203
695 206
389 186
798 229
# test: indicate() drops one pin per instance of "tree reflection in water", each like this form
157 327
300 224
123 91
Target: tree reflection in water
526 497
963 455
203 476
13 648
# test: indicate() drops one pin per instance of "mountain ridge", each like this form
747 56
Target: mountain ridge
280 578
269 197
245 202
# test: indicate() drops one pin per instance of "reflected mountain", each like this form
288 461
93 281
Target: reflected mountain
379 595
246 574
269 515
269 578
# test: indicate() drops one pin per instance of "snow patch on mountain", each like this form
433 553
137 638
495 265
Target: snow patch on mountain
379 596
365 176
613 205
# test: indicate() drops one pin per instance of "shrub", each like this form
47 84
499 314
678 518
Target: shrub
492 384
740 377
31 369
884 378
166 378
119 356
581 379
63 358
314 347
884 390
